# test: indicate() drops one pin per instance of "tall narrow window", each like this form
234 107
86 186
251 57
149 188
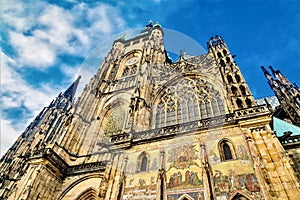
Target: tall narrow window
237 78
227 152
203 110
160 115
144 164
243 90
222 63
248 102
208 109
227 59
234 90
229 78
219 54
239 103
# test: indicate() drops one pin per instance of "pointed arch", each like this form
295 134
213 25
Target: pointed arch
125 70
248 102
219 55
237 78
143 162
80 186
114 114
234 90
189 99
229 79
226 150
89 194
239 103
243 90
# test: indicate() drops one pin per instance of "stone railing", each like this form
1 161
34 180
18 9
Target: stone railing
189 126
249 112
168 131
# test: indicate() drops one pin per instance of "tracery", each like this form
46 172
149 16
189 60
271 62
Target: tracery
189 100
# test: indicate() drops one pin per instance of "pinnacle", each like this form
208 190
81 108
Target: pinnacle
70 92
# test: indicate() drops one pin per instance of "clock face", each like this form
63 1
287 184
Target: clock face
132 61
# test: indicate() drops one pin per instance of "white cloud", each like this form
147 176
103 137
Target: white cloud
32 50
15 94
16 91
8 135
38 32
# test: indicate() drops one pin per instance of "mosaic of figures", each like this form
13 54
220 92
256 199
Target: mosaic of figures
225 185
184 172
183 156
190 195
189 179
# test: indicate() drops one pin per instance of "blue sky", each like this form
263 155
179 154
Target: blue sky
44 43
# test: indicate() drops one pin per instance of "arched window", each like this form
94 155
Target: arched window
114 120
188 100
227 59
243 90
239 103
234 90
248 102
219 55
226 150
222 63
224 52
144 164
229 78
237 78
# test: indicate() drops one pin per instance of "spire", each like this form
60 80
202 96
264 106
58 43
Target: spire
267 74
70 92
273 71
280 77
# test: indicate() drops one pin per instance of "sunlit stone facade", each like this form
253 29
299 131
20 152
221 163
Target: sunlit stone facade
148 128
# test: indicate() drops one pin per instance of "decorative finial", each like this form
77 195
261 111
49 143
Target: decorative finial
150 24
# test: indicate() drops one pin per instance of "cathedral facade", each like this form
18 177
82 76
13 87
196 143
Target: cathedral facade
145 127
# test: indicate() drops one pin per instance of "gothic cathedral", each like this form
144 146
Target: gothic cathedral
148 128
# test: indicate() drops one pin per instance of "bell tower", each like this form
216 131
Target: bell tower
237 89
